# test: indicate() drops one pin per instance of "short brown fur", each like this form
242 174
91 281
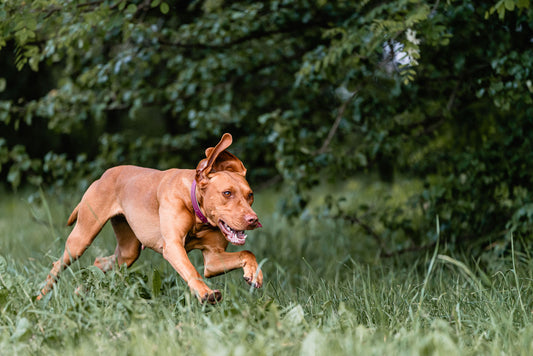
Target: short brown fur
153 208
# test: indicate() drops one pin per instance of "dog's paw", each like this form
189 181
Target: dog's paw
106 264
213 297
254 279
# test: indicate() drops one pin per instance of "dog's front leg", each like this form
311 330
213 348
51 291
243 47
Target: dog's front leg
174 252
176 255
218 261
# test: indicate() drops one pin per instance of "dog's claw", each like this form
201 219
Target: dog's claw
253 284
212 298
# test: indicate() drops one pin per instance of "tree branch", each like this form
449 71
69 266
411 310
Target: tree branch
52 10
291 28
434 8
407 249
384 251
354 219
335 125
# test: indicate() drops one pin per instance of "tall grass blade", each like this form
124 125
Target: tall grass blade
464 268
430 268
515 274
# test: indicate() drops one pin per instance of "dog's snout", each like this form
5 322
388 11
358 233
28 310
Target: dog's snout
251 219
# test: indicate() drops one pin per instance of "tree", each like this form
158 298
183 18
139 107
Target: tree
312 89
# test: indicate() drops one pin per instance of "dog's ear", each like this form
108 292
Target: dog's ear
218 159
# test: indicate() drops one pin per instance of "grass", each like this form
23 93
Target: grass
325 293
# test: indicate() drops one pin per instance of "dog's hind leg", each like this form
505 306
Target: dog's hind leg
128 246
90 220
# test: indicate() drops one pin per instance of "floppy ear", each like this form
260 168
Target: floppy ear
218 159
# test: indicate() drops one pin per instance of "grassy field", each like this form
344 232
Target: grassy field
325 293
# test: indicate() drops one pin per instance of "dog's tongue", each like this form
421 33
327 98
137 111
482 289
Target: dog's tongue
258 225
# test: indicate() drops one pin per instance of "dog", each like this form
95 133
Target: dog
172 212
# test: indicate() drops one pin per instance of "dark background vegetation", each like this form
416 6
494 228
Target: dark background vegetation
312 91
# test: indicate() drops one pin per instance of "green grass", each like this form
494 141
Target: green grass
325 293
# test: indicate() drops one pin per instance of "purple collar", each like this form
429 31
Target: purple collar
195 205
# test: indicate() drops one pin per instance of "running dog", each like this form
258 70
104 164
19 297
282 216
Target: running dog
172 212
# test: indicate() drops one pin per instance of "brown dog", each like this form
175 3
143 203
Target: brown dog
172 212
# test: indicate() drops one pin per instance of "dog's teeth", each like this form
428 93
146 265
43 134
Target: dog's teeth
228 227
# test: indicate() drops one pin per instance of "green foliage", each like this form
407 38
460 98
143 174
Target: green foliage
504 6
312 91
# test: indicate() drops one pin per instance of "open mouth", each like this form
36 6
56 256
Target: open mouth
236 237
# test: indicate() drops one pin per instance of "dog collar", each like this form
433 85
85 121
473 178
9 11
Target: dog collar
195 204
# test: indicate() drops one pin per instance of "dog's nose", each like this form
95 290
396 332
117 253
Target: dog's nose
251 219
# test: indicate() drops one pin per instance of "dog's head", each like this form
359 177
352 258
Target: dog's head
225 196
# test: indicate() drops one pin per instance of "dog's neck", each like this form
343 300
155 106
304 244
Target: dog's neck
195 204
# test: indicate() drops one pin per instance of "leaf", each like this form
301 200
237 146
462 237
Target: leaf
13 176
164 8
22 329
24 35
500 8
295 315
96 272
3 265
34 63
155 3
131 9
3 84
156 283
5 279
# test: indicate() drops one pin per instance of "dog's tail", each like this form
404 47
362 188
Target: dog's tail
74 216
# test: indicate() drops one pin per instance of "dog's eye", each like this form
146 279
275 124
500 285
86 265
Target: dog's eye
227 193
251 196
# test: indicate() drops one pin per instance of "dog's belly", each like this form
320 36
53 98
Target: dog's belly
147 230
